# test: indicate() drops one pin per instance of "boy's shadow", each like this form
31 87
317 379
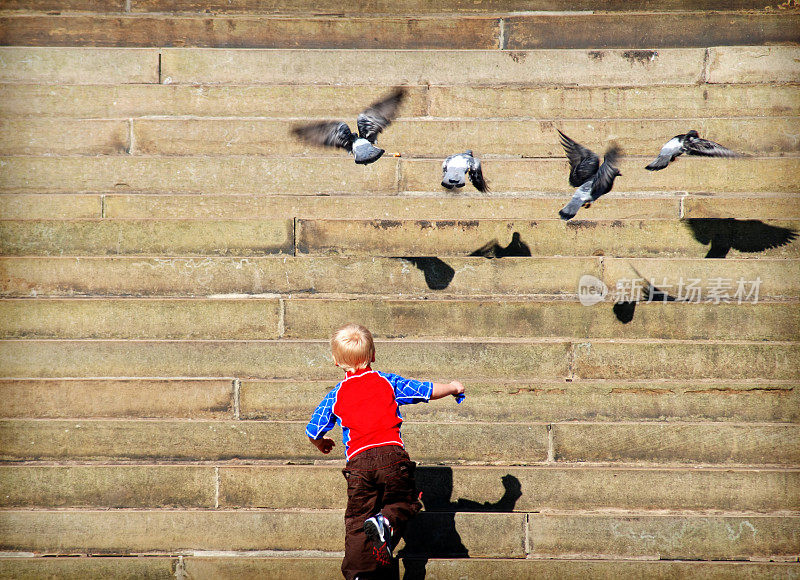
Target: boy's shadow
433 534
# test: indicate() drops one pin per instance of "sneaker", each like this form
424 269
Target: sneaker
379 530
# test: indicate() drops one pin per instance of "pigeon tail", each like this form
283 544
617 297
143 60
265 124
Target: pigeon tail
658 164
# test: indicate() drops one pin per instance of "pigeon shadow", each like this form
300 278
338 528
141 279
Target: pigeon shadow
624 310
438 274
494 250
433 534
725 234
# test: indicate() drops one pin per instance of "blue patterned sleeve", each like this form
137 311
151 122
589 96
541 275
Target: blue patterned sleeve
409 391
323 419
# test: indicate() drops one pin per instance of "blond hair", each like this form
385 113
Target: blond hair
352 347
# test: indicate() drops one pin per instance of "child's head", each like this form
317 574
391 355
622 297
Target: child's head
352 347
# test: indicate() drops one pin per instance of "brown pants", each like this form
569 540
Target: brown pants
380 479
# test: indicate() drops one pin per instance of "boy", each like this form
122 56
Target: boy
381 493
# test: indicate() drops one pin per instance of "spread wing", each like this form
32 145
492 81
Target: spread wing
583 162
708 148
607 173
327 134
756 236
379 115
476 175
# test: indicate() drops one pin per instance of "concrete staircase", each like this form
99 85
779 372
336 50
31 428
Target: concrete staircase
173 263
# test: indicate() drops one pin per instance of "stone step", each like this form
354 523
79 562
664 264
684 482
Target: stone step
336 173
695 279
169 237
513 359
413 138
641 443
498 400
547 237
431 534
124 101
31 206
617 67
515 32
425 138
240 566
457 488
706 237
315 318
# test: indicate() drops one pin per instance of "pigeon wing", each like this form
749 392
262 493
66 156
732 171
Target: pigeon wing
475 174
379 115
606 174
583 162
708 149
327 134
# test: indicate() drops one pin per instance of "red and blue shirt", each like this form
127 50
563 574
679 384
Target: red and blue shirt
366 404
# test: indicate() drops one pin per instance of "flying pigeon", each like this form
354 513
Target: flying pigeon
586 173
691 144
370 123
456 167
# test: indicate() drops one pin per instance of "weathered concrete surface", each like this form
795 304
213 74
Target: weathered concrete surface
546 237
110 486
314 318
142 276
526 489
748 175
169 237
434 359
64 137
763 64
109 318
452 101
652 30
66 398
125 568
125 101
777 277
306 7
443 32
599 400
540 67
221 440
596 359
440 207
336 173
237 174
755 207
667 537
45 206
742 444
440 138
75 65
650 102
122 531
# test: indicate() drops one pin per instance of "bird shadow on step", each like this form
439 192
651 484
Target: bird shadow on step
625 309
515 248
433 533
725 234
438 273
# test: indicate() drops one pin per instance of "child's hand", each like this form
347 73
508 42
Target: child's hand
459 388
325 444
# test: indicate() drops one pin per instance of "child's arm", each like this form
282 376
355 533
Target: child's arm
324 444
453 388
